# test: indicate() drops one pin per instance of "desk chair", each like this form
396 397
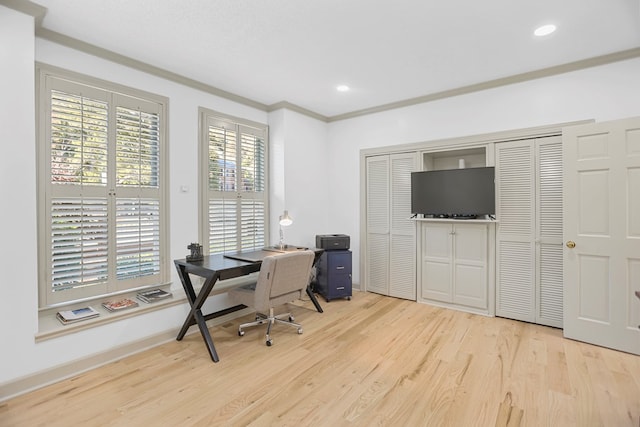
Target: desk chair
283 278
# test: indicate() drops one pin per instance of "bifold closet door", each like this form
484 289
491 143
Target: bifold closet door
529 236
391 233
549 254
402 257
515 247
377 220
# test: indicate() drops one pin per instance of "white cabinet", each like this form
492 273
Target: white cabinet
529 234
390 259
456 264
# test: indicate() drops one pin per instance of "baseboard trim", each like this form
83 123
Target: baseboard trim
58 373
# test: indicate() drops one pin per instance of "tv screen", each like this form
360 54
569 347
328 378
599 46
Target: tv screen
453 192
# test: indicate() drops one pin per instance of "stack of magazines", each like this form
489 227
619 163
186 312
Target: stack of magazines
72 316
120 304
153 295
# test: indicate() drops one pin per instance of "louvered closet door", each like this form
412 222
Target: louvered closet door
515 246
402 258
549 233
377 255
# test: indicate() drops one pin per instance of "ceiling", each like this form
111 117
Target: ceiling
387 52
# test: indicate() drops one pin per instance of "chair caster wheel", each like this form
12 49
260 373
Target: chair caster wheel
299 330
269 342
241 333
291 319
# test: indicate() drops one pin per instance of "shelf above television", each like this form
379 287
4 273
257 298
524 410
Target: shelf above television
450 159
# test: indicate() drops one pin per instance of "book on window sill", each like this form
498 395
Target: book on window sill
153 295
77 315
120 304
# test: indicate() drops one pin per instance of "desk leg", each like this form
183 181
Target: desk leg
195 314
202 325
313 299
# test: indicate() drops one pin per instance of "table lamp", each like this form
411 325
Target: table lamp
285 221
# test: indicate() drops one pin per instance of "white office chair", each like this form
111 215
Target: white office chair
283 278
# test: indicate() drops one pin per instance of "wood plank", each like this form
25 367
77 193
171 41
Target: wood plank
374 360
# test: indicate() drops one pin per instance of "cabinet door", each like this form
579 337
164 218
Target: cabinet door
470 265
436 262
377 255
515 248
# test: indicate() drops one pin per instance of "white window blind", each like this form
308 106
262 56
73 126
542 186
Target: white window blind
101 208
235 193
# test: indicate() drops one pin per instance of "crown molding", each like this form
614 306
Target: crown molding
38 12
298 109
109 55
27 7
503 81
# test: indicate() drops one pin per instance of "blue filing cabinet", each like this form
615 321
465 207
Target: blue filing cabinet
334 275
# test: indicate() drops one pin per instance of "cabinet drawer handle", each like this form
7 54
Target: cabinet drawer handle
340 288
340 268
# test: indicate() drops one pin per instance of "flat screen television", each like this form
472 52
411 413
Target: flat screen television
454 193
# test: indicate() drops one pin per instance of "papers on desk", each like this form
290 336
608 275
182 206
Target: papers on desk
253 256
260 254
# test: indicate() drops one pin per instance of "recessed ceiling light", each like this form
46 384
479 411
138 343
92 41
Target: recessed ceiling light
342 88
544 30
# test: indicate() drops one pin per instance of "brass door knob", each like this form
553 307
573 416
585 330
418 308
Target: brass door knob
571 244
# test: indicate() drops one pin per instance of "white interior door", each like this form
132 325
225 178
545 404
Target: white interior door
601 230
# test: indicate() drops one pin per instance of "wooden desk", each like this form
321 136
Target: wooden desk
213 268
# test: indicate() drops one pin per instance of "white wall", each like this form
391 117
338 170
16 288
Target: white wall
315 169
300 145
18 309
22 357
602 93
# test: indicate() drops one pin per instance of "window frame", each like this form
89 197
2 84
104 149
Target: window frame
118 97
206 116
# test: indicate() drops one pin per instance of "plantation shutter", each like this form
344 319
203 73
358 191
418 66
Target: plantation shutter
77 200
137 192
236 187
252 189
101 189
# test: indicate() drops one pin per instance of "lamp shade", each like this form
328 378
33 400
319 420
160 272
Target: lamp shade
285 219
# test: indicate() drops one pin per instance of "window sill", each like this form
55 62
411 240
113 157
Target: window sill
50 327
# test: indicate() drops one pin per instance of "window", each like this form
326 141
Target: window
102 209
233 184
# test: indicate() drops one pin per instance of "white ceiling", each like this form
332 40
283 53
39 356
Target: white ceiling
298 51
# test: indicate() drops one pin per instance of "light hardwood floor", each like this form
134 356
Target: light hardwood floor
370 361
